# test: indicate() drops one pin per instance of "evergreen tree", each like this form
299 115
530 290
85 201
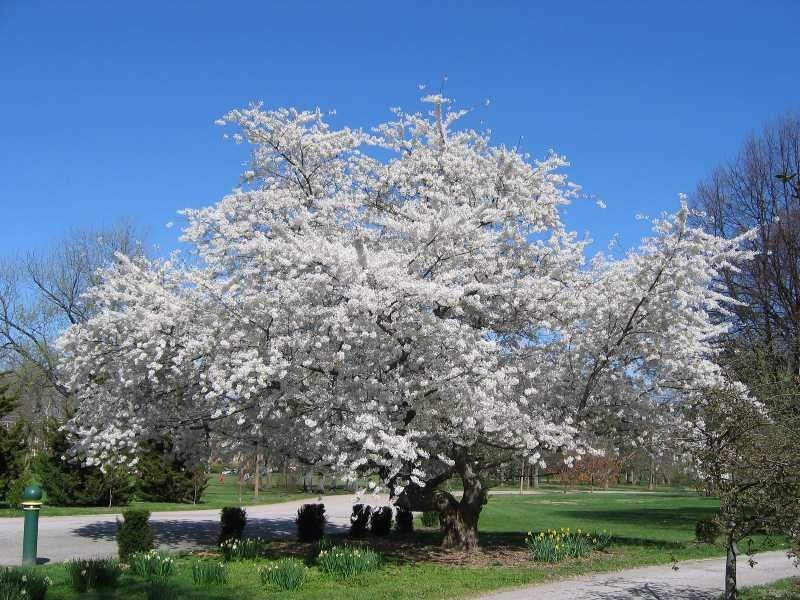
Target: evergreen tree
12 442
166 476
69 483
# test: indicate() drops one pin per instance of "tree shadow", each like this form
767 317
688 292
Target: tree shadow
647 591
671 518
182 533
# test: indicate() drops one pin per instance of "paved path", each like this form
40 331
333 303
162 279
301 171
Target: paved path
694 580
62 538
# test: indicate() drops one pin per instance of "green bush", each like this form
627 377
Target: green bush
22 584
404 521
232 521
209 573
134 534
152 565
310 522
69 483
16 487
359 520
244 549
94 573
285 574
165 476
707 530
344 562
380 524
430 518
554 545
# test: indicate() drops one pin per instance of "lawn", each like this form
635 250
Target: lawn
215 496
786 589
648 529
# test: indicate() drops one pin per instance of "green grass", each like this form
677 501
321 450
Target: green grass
216 496
785 589
648 529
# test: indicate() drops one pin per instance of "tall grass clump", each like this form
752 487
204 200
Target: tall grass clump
22 584
284 574
153 565
245 549
344 562
209 573
93 573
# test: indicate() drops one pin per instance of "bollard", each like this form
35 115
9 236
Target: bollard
31 503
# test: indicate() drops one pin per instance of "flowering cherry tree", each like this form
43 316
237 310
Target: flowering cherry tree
404 301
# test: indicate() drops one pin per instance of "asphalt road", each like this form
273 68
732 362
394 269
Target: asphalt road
693 580
85 536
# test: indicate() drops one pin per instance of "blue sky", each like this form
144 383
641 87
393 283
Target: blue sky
108 107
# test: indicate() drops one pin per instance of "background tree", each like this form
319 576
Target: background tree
12 439
165 476
750 456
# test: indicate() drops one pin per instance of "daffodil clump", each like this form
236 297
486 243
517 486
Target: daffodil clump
554 545
93 573
23 583
209 573
243 549
152 565
344 562
284 574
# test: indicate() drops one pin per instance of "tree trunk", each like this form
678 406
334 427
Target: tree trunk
257 477
731 593
536 474
458 518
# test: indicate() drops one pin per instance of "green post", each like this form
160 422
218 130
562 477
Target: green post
31 503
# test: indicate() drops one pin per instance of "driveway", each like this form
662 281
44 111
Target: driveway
62 538
693 580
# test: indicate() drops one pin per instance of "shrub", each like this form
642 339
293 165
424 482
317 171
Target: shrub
404 521
310 522
430 518
359 520
706 530
345 562
134 534
96 573
232 521
381 522
22 584
209 573
285 574
554 545
244 549
152 565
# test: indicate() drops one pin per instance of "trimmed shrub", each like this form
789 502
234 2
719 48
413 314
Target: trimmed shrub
93 573
152 565
244 549
285 574
381 522
232 521
430 518
22 584
134 534
706 530
359 520
404 521
310 522
344 562
209 573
